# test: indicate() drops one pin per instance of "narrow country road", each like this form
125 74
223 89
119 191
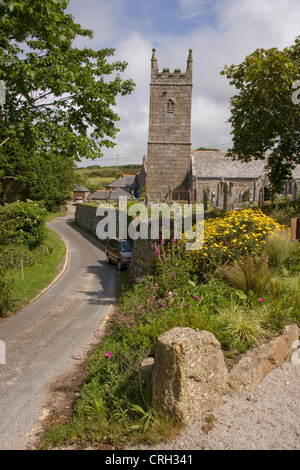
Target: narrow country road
47 337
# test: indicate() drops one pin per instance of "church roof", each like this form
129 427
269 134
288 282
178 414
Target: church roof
103 194
125 181
214 164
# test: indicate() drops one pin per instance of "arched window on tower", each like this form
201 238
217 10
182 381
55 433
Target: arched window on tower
170 107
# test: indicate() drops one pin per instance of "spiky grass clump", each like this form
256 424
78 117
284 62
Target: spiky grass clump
251 275
239 327
279 248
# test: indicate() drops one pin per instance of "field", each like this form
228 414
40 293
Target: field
96 177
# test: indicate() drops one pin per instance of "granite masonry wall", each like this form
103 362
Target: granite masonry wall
85 217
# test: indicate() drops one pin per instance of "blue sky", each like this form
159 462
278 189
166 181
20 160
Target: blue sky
220 32
169 16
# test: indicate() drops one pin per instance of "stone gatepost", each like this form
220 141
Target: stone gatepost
189 375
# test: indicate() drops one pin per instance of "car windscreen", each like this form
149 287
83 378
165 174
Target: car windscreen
113 244
125 246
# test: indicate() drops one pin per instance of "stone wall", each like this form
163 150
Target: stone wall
141 259
142 250
85 217
189 375
258 362
239 190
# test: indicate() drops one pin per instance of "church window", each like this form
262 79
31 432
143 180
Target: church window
170 107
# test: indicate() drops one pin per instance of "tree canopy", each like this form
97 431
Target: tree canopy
35 176
265 113
59 98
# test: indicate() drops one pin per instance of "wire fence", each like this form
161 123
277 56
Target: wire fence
14 262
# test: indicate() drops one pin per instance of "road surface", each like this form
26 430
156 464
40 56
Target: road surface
46 338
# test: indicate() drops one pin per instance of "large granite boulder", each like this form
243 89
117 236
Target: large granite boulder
189 374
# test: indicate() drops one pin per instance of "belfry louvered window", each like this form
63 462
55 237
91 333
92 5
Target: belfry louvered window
170 107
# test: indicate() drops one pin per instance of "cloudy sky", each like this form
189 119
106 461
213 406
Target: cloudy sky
220 32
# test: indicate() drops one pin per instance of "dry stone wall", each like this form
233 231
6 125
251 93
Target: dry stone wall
189 375
258 362
141 259
85 217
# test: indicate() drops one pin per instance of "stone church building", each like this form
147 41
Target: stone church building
174 171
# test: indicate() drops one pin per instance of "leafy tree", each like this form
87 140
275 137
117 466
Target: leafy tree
36 176
59 98
264 116
51 179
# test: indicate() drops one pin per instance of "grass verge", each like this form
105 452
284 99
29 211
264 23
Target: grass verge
39 275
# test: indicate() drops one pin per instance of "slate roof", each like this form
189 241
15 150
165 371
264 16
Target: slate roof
101 194
125 181
79 187
213 164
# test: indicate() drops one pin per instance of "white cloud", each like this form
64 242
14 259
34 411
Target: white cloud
101 16
193 8
239 27
133 109
268 23
136 50
209 128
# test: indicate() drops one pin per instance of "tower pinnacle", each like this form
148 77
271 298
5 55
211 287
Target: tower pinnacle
190 60
154 64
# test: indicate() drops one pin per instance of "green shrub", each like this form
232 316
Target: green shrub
227 239
22 223
11 254
283 210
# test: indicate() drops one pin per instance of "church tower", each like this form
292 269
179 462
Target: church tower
169 141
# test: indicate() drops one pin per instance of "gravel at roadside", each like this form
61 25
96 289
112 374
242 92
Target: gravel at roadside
268 418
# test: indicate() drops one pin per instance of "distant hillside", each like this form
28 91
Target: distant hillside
96 177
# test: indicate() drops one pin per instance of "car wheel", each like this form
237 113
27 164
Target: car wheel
107 258
119 267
